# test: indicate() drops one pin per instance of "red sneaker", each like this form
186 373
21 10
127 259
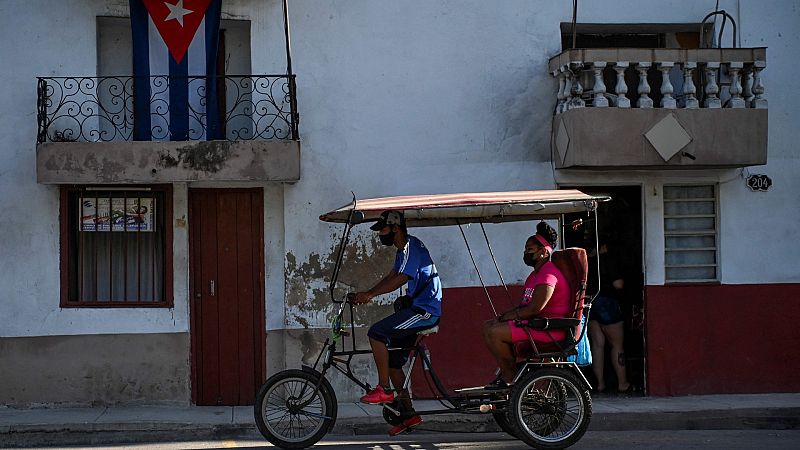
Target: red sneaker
406 425
377 396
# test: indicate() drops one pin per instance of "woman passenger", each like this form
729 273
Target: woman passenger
546 295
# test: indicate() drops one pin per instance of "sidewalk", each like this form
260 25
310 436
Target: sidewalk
82 426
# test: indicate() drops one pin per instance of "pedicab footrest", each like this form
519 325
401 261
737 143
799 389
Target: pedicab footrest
544 323
524 350
479 390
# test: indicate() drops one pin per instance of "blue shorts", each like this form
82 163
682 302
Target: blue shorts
605 310
400 331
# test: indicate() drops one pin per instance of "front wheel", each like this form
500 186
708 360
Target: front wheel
291 412
550 408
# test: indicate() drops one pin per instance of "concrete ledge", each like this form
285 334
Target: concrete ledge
167 162
614 138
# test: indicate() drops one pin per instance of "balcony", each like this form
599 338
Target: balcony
95 130
632 108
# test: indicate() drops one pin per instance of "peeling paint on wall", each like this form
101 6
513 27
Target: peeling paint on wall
308 302
205 156
180 222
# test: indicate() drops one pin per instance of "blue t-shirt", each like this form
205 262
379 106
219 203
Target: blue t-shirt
415 261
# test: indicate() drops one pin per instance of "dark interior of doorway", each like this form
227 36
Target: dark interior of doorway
620 226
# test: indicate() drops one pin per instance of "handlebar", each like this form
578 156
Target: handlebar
348 298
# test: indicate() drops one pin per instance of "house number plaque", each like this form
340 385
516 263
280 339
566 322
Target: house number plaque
759 182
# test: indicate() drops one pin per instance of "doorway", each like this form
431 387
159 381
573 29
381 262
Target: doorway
620 227
226 286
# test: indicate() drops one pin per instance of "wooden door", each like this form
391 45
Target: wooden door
226 286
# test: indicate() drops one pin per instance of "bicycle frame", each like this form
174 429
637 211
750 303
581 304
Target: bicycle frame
329 357
468 403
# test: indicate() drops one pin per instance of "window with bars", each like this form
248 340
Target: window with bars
116 246
690 233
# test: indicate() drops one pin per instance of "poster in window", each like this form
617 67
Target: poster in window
117 214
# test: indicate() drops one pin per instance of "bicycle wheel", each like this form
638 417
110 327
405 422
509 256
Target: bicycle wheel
502 419
280 417
550 408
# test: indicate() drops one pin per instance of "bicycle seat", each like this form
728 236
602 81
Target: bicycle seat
428 331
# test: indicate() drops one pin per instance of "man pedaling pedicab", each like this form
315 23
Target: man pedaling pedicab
413 265
547 294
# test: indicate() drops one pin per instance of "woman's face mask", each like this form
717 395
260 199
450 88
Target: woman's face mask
529 259
531 250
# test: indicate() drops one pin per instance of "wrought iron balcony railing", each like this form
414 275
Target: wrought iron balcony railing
103 109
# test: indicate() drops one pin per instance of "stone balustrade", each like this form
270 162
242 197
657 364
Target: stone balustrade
689 78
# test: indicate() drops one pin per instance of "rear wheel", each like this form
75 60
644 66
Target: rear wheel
291 412
550 408
502 419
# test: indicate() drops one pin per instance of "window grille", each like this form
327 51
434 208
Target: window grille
116 246
690 233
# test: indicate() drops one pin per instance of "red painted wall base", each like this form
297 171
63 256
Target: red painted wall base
700 339
722 339
458 353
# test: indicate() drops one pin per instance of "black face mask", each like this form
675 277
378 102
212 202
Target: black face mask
387 239
529 259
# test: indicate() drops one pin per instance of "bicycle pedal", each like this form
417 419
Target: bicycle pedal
392 410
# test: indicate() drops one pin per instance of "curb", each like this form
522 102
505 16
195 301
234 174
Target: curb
141 432
109 434
721 419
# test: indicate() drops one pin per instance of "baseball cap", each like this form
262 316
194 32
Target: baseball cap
389 218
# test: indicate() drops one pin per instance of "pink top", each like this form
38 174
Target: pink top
558 305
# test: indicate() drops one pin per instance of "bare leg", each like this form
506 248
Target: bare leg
381 355
597 341
398 380
615 335
498 338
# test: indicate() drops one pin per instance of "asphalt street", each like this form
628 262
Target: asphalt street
685 439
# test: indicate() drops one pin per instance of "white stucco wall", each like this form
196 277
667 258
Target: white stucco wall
761 230
63 36
395 98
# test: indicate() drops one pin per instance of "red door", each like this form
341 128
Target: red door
226 285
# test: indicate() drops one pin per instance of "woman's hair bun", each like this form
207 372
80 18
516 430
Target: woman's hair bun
549 234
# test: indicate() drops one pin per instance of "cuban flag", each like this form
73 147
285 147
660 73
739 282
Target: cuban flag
174 42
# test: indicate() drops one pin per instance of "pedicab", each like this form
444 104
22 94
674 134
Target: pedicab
548 405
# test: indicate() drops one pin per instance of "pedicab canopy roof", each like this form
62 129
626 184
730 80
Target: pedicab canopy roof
452 209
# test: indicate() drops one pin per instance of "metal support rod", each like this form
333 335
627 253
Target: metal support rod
588 307
491 253
476 269
342 244
596 252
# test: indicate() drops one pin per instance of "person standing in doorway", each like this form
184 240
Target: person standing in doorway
605 321
413 266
